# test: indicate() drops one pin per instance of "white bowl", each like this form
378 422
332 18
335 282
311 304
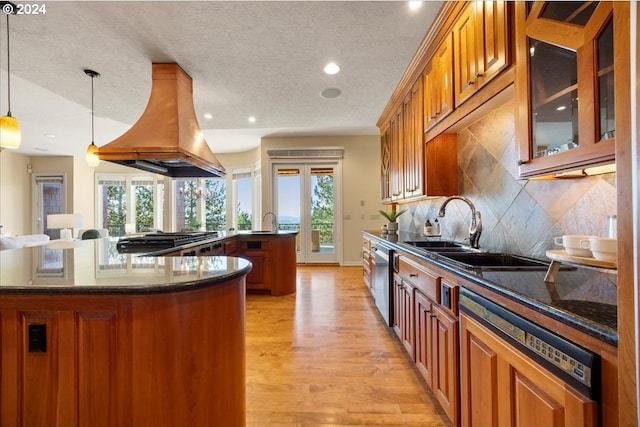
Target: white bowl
606 256
584 253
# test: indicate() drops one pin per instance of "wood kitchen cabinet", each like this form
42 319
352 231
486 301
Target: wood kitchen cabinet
480 46
403 323
273 257
565 84
413 142
438 84
445 360
368 264
385 164
396 163
436 348
501 386
429 332
231 246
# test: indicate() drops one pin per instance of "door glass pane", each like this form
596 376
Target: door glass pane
215 204
554 98
289 200
50 194
569 11
605 83
322 210
244 204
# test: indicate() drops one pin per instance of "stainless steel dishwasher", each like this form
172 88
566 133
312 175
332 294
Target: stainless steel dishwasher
382 279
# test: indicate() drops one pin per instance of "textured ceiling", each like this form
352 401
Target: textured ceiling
261 59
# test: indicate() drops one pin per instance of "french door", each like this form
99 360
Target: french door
306 198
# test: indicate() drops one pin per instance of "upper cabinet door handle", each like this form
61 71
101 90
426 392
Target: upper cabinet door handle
478 75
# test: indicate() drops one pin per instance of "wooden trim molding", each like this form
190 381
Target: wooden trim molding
628 221
440 26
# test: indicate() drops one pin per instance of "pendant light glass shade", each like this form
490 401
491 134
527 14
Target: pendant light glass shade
92 150
92 155
10 135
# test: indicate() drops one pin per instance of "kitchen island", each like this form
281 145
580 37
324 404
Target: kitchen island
93 337
272 253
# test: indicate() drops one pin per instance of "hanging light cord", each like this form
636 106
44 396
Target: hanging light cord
8 71
92 126
93 75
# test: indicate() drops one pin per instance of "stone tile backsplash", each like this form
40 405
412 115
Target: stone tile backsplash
518 216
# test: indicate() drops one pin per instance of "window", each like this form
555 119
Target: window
200 201
129 199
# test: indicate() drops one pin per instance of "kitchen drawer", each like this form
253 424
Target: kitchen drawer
424 280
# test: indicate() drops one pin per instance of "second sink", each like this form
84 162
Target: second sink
494 261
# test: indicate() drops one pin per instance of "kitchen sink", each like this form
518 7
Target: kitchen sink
435 244
494 261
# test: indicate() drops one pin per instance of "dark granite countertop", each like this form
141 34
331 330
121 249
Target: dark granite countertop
584 298
96 267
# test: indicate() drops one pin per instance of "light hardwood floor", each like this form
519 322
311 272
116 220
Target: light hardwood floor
322 357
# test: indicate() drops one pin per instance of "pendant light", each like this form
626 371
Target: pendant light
9 128
92 150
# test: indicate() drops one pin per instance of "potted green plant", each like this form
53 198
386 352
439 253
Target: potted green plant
392 224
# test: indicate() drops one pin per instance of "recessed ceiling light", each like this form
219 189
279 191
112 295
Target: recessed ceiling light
330 93
332 68
208 116
562 107
413 5
252 119
49 135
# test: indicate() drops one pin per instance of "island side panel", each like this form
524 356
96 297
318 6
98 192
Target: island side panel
283 276
189 357
175 358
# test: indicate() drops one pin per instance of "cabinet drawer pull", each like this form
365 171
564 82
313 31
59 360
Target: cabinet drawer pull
432 117
413 275
478 75
432 315
437 113
470 83
522 162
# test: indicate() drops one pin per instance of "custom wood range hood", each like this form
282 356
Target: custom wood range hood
167 138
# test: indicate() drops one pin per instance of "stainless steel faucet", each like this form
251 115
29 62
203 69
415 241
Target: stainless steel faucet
274 222
475 228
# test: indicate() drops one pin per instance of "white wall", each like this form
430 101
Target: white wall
15 193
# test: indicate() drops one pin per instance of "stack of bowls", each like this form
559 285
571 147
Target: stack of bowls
602 248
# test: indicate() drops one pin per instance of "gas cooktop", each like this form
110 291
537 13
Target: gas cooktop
156 241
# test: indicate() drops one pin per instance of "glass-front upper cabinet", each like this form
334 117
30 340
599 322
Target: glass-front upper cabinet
564 85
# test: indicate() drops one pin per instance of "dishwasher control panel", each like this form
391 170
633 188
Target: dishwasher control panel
559 358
